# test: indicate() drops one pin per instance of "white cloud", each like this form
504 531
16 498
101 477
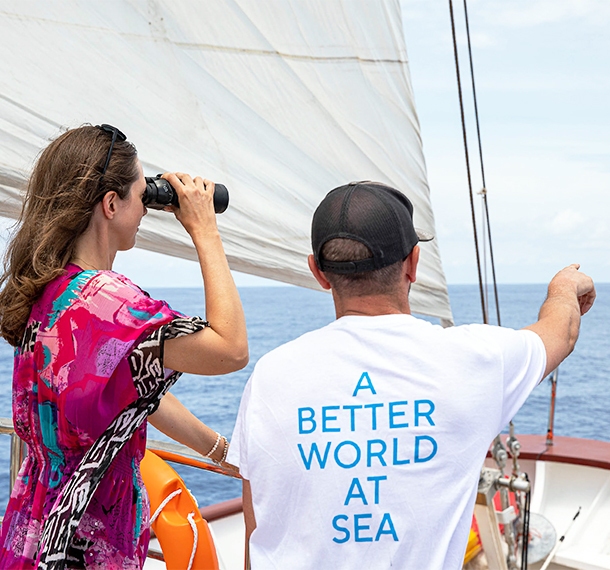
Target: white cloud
483 40
528 13
566 221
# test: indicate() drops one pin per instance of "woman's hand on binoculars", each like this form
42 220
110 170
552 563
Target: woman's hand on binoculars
196 197
223 346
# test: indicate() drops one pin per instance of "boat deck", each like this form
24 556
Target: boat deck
569 474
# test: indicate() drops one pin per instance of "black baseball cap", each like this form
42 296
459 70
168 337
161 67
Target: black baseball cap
372 213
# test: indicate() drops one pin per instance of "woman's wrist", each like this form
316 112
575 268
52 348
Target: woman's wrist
214 447
204 236
225 450
218 451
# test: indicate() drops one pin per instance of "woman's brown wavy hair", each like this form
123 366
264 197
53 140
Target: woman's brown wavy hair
64 188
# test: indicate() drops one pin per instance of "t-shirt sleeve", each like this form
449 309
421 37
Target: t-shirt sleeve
238 451
521 361
524 363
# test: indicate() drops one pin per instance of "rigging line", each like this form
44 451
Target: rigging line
485 264
484 193
525 533
474 221
491 259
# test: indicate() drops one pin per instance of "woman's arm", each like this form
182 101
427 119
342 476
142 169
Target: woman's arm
223 347
176 421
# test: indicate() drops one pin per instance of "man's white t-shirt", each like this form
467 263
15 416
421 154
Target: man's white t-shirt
363 441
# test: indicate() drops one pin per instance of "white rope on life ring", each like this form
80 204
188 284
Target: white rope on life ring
190 518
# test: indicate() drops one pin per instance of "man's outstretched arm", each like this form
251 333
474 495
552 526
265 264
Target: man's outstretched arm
570 295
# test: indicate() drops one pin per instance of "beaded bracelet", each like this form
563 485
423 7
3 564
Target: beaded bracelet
224 451
215 447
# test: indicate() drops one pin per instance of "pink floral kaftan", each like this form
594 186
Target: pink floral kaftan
71 378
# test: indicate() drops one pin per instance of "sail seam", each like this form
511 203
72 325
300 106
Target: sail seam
288 55
31 111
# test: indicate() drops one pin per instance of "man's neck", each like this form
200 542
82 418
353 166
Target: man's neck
371 305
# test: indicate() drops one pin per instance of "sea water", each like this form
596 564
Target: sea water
276 315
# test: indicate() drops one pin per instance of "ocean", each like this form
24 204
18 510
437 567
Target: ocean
278 314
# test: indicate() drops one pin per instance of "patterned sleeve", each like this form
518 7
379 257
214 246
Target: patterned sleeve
146 359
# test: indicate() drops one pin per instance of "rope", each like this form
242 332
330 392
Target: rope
190 518
484 191
485 222
163 504
525 538
485 264
474 221
486 225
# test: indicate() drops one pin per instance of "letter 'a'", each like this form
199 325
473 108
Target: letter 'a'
364 383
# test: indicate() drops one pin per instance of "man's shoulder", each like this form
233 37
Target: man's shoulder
334 337
493 340
295 347
487 331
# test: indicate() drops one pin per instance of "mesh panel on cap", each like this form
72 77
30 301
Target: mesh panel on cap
374 214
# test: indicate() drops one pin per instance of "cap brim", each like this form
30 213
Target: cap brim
423 235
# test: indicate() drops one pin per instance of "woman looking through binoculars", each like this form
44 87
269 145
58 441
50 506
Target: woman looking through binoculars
95 355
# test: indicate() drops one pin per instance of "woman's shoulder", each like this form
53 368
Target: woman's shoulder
98 294
109 283
111 296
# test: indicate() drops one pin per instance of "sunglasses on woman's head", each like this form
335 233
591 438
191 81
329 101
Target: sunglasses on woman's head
116 134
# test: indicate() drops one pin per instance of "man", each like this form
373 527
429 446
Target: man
361 443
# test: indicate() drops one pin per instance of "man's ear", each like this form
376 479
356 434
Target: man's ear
109 204
411 264
320 278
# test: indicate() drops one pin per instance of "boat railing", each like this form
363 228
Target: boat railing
168 451
18 449
172 452
177 453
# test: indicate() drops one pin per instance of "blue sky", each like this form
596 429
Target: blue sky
542 69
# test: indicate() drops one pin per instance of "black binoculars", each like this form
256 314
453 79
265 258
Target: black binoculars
160 193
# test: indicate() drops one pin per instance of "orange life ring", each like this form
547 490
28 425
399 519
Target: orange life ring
172 526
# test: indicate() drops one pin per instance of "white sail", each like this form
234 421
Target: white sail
281 101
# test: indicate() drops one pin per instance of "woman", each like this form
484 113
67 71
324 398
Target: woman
95 354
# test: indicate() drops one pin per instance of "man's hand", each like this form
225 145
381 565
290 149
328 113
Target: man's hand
570 295
570 280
